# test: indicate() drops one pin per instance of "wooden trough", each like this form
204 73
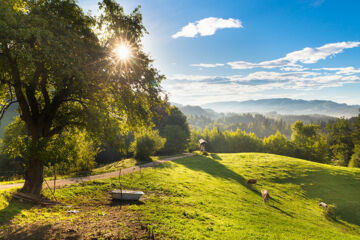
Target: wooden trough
128 195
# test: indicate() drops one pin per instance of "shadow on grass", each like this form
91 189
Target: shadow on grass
282 211
36 233
215 156
11 210
214 168
337 187
118 202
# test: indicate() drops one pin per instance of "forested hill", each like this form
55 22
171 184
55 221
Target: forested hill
263 125
286 106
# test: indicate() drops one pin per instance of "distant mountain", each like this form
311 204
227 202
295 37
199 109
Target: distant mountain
286 106
197 111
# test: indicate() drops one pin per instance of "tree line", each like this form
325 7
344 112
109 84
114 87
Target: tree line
337 142
262 125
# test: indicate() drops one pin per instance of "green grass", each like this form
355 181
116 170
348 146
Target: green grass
207 198
111 167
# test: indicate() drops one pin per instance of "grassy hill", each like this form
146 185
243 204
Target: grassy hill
204 198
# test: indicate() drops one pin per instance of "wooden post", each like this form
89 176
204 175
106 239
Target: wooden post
54 179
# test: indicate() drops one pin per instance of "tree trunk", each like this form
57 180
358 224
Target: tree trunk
34 177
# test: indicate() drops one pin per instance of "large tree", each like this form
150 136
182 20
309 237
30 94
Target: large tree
64 68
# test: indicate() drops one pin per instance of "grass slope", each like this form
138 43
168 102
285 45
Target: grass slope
207 198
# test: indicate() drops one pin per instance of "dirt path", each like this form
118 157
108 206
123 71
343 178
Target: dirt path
69 181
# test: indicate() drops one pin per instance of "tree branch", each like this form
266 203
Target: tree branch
26 115
30 90
44 90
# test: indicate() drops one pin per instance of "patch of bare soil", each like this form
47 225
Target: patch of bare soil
111 220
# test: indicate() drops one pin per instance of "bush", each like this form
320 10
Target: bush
147 144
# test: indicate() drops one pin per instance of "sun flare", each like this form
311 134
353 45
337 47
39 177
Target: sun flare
122 52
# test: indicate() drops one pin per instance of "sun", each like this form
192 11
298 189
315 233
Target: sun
122 52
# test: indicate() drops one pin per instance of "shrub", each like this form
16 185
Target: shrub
147 144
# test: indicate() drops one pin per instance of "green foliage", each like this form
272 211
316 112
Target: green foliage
260 125
70 151
278 144
195 136
302 134
227 141
355 158
176 139
356 131
340 141
147 144
63 73
10 168
17 142
173 126
308 142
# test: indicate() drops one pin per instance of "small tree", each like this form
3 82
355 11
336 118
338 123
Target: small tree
173 126
147 144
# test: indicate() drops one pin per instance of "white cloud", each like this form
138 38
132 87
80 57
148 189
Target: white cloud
208 65
207 27
190 77
293 68
293 59
342 70
198 89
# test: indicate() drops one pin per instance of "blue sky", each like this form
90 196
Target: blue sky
251 49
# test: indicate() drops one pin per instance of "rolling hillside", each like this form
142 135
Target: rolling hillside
287 106
204 198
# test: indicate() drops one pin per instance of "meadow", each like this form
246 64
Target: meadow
201 197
